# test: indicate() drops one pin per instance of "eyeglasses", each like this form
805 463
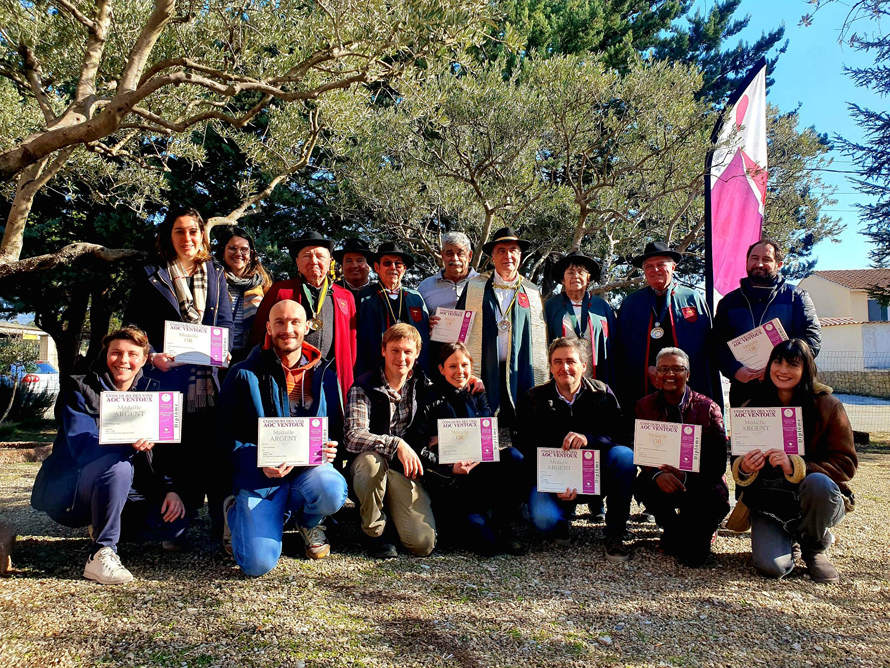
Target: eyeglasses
665 370
581 273
392 263
234 250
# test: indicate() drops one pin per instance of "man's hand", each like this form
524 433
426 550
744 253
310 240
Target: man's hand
574 441
464 467
476 385
568 495
434 320
752 461
670 480
779 458
279 472
746 374
410 461
173 508
330 451
142 445
163 362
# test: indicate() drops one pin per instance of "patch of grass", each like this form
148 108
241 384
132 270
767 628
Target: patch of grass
43 431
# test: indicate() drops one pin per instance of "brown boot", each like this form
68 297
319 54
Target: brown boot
820 568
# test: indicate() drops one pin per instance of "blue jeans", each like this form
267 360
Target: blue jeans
551 514
257 522
821 507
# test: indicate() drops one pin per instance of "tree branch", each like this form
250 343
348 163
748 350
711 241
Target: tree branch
66 256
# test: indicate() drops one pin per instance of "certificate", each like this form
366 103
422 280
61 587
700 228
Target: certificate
204 345
671 443
560 469
753 348
767 429
292 441
468 438
125 417
454 325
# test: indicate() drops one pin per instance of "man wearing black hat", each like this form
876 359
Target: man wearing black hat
330 308
575 313
664 314
510 337
355 260
386 303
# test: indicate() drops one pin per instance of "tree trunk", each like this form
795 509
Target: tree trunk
66 329
15 386
100 320
483 238
580 229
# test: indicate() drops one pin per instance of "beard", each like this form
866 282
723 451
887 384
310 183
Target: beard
763 277
287 344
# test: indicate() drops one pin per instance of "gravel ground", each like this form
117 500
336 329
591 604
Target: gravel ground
558 606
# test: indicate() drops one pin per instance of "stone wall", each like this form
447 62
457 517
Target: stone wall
864 383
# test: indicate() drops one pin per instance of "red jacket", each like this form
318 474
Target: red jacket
344 325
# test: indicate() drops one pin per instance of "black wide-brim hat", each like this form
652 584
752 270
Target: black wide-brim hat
505 234
294 246
393 248
576 257
354 245
655 249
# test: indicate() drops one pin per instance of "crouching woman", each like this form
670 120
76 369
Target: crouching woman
797 499
112 488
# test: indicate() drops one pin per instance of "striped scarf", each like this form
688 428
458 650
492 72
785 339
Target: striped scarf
192 303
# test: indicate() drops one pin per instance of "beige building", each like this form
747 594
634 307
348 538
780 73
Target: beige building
46 347
855 328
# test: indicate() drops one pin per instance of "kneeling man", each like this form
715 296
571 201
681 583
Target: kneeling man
571 412
386 471
288 378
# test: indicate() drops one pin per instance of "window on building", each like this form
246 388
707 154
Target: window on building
876 312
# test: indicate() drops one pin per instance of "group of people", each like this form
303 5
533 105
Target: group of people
569 373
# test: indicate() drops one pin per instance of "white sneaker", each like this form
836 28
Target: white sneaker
317 546
105 568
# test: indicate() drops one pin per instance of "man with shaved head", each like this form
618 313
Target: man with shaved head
285 377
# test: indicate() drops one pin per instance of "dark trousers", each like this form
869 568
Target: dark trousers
476 508
105 499
689 518
198 467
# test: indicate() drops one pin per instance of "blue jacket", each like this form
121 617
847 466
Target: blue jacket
748 307
153 301
373 318
77 444
256 388
558 311
690 320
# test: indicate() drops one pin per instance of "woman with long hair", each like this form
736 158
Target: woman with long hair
797 499
247 281
183 284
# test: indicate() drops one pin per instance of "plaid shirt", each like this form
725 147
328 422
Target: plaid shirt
402 405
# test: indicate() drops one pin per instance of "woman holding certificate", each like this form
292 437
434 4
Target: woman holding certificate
247 281
470 495
798 498
111 488
184 285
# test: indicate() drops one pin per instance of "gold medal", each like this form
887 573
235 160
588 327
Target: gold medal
504 325
657 332
315 324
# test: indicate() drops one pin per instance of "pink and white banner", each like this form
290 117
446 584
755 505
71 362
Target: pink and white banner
735 185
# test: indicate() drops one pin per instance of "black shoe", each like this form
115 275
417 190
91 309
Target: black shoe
616 552
381 548
513 547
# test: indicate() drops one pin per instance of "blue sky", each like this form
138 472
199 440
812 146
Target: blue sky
811 74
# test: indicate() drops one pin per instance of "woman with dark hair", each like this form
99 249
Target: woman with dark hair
470 499
115 489
798 498
183 284
247 281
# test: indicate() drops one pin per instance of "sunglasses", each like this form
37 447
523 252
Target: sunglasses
392 263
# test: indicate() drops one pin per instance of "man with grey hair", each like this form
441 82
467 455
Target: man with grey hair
446 286
689 506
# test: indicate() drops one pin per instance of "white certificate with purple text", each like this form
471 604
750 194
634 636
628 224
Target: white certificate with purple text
126 417
560 469
454 325
463 439
753 348
767 429
671 443
293 441
204 345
